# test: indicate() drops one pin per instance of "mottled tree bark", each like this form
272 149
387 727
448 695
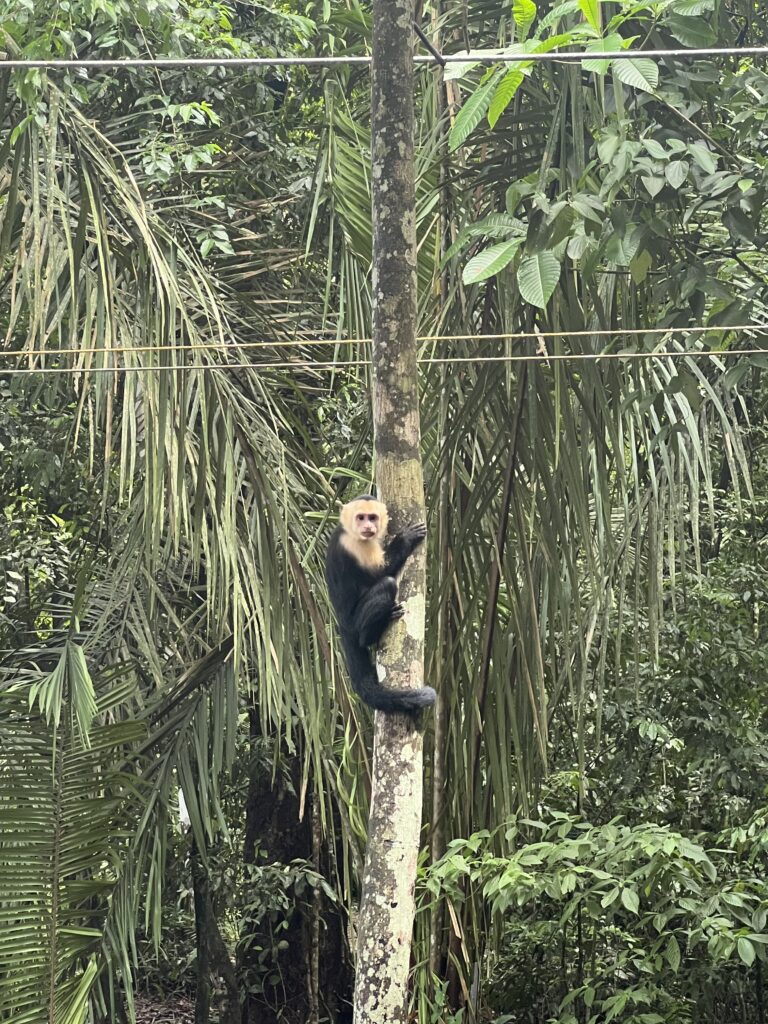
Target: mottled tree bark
385 923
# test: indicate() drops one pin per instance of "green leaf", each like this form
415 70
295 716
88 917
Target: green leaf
704 157
640 265
524 13
739 224
591 11
580 245
607 147
457 69
537 278
558 13
609 898
473 111
693 7
654 184
746 951
676 172
506 89
655 149
630 900
490 261
642 74
495 225
691 31
672 953
608 44
622 245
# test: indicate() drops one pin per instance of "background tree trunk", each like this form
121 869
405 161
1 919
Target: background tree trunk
212 954
385 924
311 973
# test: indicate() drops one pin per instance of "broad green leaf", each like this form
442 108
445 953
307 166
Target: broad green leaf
495 225
672 953
609 898
676 172
590 207
653 184
473 111
457 69
691 8
655 149
630 900
608 146
691 31
739 224
704 157
537 278
580 245
622 246
550 43
490 261
746 951
608 44
505 90
591 11
558 13
518 190
639 266
641 73
524 13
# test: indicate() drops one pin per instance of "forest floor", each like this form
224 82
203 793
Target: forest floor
164 1011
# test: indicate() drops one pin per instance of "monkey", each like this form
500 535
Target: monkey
361 582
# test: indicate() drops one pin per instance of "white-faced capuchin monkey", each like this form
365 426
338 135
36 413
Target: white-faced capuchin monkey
361 582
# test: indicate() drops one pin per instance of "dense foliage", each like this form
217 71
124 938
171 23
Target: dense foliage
594 844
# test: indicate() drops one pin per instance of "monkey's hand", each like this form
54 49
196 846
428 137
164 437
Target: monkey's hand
401 546
397 612
414 534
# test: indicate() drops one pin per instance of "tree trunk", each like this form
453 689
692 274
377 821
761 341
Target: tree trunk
212 954
308 973
385 924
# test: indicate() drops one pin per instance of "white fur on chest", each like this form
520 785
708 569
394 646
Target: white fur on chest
367 553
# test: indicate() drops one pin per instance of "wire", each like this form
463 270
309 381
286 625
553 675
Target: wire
218 346
310 365
478 56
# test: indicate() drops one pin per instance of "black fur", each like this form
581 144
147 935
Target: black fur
365 603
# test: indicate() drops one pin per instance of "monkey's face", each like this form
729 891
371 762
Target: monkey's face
367 525
365 520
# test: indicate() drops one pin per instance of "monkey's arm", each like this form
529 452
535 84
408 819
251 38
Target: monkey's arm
402 545
376 610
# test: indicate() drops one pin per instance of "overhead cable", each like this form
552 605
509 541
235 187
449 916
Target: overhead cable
237 346
308 365
471 56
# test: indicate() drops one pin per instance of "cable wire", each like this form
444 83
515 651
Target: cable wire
229 346
478 56
17 371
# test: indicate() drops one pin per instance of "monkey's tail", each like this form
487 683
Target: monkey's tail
365 683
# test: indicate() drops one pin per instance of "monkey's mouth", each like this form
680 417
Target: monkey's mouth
367 534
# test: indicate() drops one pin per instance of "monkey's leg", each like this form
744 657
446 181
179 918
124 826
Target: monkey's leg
374 613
